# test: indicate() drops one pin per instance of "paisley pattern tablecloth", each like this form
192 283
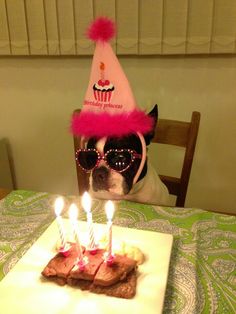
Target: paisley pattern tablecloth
202 274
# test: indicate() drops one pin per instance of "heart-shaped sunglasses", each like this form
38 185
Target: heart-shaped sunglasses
116 159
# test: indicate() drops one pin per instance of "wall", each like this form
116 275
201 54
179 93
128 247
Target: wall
38 96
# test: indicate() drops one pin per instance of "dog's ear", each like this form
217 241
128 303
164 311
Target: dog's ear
154 114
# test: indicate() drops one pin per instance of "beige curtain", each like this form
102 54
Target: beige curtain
145 27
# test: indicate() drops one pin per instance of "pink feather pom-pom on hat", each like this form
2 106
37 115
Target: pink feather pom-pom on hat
109 107
102 29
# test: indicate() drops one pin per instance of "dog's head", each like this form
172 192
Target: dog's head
115 161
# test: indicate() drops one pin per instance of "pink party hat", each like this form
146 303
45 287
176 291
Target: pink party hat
109 107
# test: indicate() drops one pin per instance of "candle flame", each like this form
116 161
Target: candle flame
109 208
86 202
59 204
73 212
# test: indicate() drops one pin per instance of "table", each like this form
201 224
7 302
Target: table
202 274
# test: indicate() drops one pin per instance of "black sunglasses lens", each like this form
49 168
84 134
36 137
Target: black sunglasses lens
118 160
87 159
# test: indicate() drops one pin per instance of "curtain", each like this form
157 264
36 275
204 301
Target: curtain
144 27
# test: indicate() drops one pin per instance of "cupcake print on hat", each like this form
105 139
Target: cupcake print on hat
103 88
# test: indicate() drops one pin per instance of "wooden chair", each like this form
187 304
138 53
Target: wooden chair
171 132
182 134
82 176
7 178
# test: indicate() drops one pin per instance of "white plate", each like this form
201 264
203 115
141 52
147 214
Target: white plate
23 292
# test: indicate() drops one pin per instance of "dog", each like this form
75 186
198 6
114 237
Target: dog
114 161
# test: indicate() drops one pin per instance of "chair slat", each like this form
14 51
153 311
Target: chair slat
172 184
171 132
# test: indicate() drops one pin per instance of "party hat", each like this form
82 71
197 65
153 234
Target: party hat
109 107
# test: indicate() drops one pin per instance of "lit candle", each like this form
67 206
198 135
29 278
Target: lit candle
59 204
65 247
86 203
73 214
102 68
109 208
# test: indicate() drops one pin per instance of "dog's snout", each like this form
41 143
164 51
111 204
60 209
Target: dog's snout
100 178
100 173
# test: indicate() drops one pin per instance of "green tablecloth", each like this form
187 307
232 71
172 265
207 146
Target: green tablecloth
202 275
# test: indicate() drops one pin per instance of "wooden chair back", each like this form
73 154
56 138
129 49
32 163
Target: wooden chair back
171 132
82 176
182 134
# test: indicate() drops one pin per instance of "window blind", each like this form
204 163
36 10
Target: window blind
145 27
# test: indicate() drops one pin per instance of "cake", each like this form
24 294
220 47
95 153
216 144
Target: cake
117 280
103 88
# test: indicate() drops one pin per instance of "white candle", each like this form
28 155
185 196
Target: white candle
59 204
73 214
87 204
109 208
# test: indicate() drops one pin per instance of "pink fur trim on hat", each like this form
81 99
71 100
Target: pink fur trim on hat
102 29
90 124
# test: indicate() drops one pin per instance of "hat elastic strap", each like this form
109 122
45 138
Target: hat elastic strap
82 142
144 154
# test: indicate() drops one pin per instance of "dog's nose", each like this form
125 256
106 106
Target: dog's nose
100 178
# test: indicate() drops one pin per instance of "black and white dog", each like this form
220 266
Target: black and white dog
113 164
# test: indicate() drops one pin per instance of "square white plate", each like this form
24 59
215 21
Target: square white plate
23 292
